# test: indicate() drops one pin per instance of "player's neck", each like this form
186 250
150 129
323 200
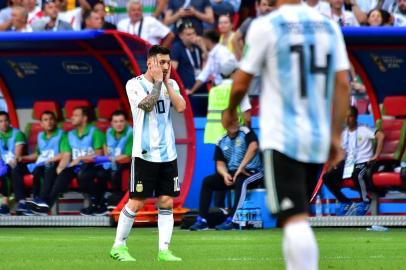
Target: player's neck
312 3
352 127
288 2
336 11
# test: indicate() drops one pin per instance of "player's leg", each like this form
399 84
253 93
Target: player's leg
167 187
211 183
240 191
140 186
286 185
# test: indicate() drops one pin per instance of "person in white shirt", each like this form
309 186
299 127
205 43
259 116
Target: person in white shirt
400 15
360 8
303 62
321 6
5 14
73 17
34 11
154 159
341 16
19 17
217 54
145 27
357 142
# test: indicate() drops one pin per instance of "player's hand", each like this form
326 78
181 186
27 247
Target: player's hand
190 12
167 78
336 152
229 120
156 70
182 12
239 172
189 92
228 180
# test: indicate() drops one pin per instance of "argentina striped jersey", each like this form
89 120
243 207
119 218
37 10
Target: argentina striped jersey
298 52
154 139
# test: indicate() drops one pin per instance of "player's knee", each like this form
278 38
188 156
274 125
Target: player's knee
165 202
135 204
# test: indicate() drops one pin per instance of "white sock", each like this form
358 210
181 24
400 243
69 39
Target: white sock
165 227
125 223
300 247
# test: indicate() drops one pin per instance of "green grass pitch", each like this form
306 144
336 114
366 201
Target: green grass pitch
88 248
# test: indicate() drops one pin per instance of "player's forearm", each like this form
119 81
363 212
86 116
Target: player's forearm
176 99
359 14
167 40
340 103
221 168
380 136
148 103
239 88
249 155
206 16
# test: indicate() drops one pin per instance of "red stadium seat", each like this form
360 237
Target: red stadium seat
105 107
71 104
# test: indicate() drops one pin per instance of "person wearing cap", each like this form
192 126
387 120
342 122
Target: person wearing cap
217 54
219 97
238 167
50 21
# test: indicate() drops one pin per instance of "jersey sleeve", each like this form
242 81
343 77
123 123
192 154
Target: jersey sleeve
175 86
341 60
133 92
370 133
20 138
245 104
64 146
255 48
205 73
159 28
129 146
99 139
218 154
251 137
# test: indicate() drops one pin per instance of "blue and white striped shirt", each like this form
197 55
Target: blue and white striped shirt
232 150
154 139
297 51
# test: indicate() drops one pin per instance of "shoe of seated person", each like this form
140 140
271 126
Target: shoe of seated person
363 208
22 210
4 210
352 211
200 225
226 225
101 210
343 209
38 206
88 211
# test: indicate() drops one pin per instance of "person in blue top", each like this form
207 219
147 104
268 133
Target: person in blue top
118 148
238 166
12 146
85 143
52 145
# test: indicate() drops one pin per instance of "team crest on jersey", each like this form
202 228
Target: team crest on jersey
139 187
238 142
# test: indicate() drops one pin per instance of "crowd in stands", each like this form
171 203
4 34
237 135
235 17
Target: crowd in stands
191 27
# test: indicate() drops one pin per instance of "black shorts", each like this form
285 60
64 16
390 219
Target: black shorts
153 179
289 183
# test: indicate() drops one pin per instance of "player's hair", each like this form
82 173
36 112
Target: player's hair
212 35
270 2
48 113
5 114
118 113
158 49
354 111
88 112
